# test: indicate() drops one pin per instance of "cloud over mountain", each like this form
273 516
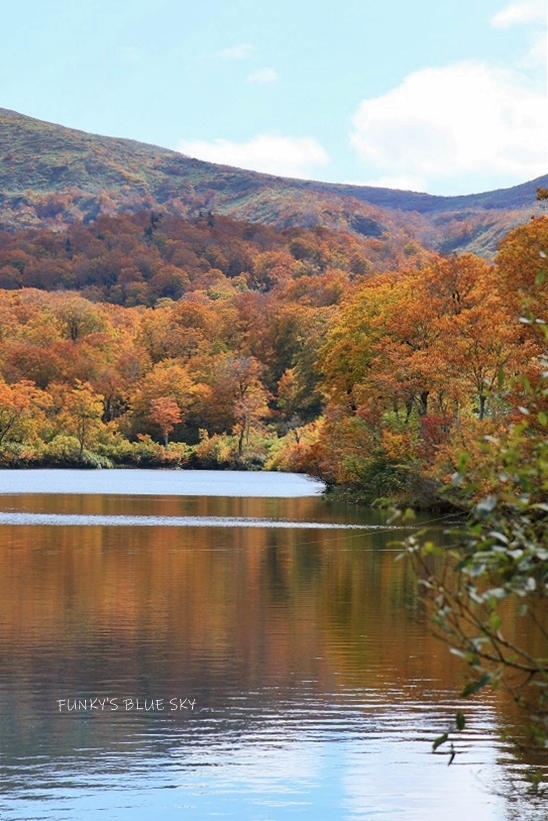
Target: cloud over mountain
468 125
271 154
460 126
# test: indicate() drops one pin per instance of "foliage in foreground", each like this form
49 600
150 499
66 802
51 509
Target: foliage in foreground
488 593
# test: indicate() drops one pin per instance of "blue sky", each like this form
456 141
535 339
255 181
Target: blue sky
444 96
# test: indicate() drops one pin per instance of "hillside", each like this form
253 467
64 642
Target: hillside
52 176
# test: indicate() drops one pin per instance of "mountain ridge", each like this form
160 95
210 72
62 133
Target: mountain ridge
54 175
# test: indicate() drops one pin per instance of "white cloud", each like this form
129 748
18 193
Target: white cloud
240 52
402 183
524 11
534 14
283 156
263 76
537 56
463 127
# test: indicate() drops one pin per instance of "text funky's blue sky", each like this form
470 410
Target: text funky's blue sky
441 97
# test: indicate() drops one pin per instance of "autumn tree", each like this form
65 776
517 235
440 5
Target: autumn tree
166 380
522 266
166 413
241 375
78 317
81 414
20 404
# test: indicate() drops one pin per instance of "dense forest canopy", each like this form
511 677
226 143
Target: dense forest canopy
148 339
132 260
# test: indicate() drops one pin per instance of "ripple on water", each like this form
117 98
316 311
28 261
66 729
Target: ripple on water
74 520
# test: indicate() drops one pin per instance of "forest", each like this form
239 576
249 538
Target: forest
151 340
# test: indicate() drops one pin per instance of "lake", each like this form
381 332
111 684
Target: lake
197 645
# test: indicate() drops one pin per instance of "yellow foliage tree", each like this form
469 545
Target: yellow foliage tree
81 414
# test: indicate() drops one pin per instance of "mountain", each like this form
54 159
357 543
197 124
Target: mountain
51 176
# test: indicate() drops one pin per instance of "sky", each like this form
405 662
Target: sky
443 96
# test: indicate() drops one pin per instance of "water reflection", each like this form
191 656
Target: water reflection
143 482
317 684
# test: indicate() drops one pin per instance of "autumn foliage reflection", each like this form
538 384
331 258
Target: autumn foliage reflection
259 598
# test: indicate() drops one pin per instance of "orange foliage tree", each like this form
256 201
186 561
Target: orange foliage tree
166 413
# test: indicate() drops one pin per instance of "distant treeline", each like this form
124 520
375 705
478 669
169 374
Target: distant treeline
139 259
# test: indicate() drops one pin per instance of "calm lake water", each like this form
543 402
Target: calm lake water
196 645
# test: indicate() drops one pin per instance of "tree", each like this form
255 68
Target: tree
250 397
521 263
19 403
82 413
78 317
166 380
166 413
240 395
